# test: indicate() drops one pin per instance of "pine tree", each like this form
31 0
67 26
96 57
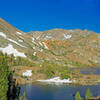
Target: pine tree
24 96
20 97
88 94
77 96
4 72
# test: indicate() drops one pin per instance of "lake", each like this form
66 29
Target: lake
56 92
90 71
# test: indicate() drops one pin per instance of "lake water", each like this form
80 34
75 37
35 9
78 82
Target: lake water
90 71
44 91
56 92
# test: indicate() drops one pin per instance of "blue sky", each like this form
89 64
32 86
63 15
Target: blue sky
40 15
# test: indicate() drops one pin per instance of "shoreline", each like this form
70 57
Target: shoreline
57 80
80 81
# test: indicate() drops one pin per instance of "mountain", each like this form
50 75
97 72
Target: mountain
72 48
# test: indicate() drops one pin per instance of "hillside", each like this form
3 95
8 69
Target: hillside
72 48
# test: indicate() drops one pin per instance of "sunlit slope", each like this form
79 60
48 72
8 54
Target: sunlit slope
73 48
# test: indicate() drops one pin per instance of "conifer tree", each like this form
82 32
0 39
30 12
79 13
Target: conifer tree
77 96
24 96
88 94
4 72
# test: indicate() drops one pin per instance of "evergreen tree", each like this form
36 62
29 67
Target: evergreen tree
88 94
20 97
4 73
24 96
11 60
77 96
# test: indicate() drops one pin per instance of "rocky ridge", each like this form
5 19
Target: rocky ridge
72 48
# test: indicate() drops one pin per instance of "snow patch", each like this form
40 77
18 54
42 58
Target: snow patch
41 50
45 46
21 37
19 33
40 44
10 50
67 36
34 48
34 54
47 37
27 73
3 35
33 40
38 37
20 40
16 42
57 80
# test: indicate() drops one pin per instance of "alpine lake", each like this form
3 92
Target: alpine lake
44 91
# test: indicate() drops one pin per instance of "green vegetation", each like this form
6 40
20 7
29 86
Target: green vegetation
23 62
88 94
78 64
77 96
7 84
23 97
34 58
51 69
4 73
12 61
65 75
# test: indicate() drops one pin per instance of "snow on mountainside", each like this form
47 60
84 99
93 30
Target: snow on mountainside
65 47
19 33
10 50
5 37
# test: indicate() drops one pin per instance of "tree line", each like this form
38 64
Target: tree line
8 87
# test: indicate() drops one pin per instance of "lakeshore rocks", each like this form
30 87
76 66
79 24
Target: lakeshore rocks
94 98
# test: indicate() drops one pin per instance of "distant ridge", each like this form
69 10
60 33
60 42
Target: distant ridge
71 48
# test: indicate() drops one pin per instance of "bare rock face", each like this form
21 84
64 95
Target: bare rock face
72 48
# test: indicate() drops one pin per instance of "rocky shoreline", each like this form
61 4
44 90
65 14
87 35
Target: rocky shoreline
79 79
85 80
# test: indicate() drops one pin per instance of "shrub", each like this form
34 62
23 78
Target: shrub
65 75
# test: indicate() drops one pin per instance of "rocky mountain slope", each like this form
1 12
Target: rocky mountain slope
73 48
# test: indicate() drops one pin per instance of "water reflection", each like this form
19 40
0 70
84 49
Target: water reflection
53 92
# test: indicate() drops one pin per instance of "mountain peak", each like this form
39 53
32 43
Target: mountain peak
65 47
